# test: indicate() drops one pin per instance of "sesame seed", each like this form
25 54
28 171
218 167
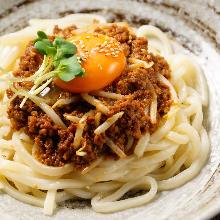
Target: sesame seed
105 42
100 67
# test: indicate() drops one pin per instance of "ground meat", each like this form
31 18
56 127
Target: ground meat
51 139
121 34
18 116
139 87
29 62
134 121
54 143
66 32
139 49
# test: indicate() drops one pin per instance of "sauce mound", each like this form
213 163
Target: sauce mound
137 86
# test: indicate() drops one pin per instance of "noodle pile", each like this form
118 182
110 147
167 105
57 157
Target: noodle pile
171 156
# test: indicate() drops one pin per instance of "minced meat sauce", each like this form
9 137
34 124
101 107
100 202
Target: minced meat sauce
137 85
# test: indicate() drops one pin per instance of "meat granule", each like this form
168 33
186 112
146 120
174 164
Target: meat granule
66 32
29 62
138 85
121 34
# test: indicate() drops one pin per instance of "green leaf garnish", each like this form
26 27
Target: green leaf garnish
62 53
42 35
69 68
45 47
64 48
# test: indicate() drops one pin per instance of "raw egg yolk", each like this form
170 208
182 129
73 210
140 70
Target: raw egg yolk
102 59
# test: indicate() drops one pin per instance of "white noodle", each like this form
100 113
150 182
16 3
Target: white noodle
50 202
